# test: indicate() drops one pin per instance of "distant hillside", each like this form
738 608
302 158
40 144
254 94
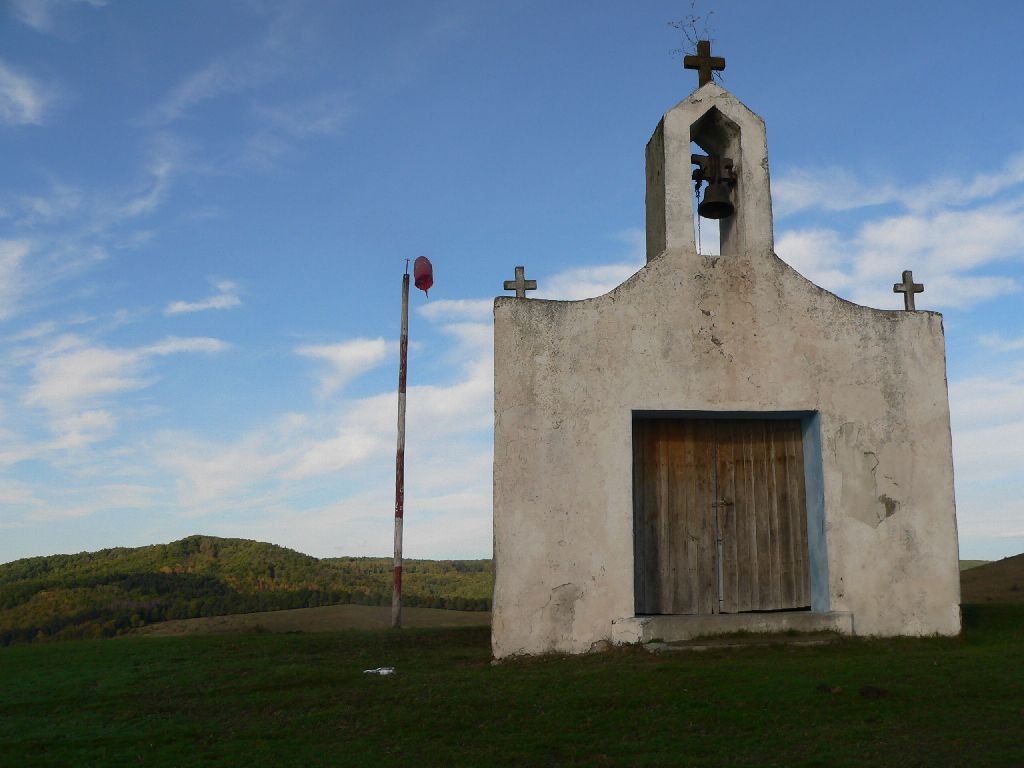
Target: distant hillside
1001 581
966 565
101 594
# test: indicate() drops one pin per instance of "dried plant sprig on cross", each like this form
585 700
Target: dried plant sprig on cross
693 27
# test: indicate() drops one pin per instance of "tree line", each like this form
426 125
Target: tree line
106 593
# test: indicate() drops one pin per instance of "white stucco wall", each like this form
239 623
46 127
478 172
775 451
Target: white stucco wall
742 332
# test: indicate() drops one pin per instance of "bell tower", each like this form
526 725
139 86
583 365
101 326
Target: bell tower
735 165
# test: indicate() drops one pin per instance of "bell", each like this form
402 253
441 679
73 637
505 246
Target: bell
716 203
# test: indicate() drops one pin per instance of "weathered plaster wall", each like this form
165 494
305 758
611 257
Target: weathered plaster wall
742 332
727 334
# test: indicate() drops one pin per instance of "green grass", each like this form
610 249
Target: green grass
302 700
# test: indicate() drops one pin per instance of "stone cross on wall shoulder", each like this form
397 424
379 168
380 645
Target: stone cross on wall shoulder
908 288
521 285
704 62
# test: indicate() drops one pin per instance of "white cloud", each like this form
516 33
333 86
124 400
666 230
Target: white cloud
216 477
981 402
172 345
987 510
69 377
945 249
478 310
226 297
23 100
585 282
818 254
987 414
345 361
350 445
829 189
958 291
71 372
990 454
593 280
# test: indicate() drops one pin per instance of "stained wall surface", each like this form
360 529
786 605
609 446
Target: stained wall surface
740 333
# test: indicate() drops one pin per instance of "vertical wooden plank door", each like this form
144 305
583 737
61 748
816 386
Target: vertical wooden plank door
719 516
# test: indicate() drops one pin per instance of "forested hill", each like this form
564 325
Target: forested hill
100 594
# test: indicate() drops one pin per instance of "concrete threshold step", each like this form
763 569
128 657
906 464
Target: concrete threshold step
755 641
678 628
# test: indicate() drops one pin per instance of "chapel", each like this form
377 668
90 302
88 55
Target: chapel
718 444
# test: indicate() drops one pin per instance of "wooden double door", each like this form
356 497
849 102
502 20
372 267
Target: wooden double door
720 521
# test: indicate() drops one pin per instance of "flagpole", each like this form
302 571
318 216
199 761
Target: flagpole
396 590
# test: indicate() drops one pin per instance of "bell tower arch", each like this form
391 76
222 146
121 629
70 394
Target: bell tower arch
713 119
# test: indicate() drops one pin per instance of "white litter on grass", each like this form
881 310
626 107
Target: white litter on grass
380 671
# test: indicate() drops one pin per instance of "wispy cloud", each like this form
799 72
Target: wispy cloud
226 297
70 373
93 213
23 100
161 171
12 277
62 201
355 439
320 115
999 342
282 125
84 502
41 14
345 361
243 69
838 189
80 429
66 230
226 74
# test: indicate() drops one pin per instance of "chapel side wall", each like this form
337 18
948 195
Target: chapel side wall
743 333
891 524
562 543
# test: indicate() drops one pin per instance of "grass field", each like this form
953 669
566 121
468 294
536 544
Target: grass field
327 618
303 700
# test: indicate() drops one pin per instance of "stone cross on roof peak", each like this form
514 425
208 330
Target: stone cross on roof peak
704 62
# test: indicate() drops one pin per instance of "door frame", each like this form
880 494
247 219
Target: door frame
814 488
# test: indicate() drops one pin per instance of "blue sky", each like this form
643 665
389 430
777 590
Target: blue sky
205 210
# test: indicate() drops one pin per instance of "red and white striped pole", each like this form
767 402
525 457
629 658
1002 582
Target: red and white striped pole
403 350
423 271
